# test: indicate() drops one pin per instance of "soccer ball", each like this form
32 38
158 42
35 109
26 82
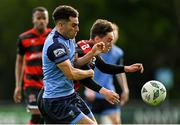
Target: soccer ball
153 92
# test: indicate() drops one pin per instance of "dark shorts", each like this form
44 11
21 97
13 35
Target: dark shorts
30 96
102 107
63 110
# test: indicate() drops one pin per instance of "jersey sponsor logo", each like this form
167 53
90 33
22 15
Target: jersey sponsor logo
59 52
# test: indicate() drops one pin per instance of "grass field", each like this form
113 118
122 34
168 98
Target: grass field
13 114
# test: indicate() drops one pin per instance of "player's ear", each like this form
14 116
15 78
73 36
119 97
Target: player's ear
60 25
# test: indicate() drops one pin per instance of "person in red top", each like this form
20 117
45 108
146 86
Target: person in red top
28 69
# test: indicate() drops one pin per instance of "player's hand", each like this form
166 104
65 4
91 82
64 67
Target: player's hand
17 94
90 95
110 96
124 97
108 46
98 48
91 73
134 67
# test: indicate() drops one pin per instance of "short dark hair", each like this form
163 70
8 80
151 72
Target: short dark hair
101 28
41 9
63 12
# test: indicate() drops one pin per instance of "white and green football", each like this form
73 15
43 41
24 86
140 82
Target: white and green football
153 92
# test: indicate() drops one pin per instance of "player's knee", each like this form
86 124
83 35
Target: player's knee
116 120
93 123
86 120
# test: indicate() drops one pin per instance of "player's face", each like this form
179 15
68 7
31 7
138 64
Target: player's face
40 20
71 28
107 40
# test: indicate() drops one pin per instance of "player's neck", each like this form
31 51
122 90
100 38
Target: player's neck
40 31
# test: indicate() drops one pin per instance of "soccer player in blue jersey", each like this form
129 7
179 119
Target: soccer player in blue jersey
60 103
99 106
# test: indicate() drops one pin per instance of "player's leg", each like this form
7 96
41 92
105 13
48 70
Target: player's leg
36 117
85 108
31 94
39 101
96 107
86 120
93 118
90 115
104 119
65 110
110 114
115 117
47 120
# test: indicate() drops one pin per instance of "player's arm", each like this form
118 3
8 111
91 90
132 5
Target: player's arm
59 54
115 69
89 82
108 68
109 95
97 49
122 81
74 73
19 70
